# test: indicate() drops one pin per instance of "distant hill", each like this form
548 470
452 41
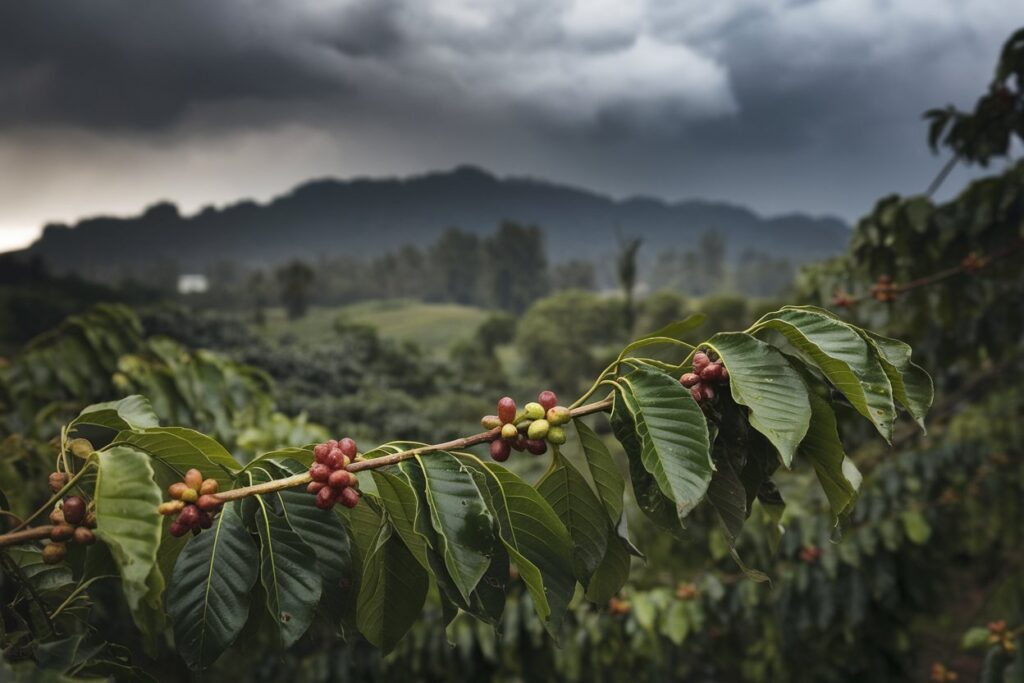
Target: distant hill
365 217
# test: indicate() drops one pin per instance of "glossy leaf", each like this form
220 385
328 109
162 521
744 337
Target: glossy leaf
177 453
569 495
607 478
911 385
613 572
131 412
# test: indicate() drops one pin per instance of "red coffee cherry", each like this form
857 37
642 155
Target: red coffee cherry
507 410
500 450
339 479
348 447
57 481
710 373
697 391
335 459
708 392
62 532
319 472
178 529
74 510
349 497
700 361
208 503
315 486
689 379
320 452
189 517
83 536
326 498
205 519
547 399
537 446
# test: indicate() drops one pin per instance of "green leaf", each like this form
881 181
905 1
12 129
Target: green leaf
916 526
461 519
128 522
579 509
673 434
761 379
208 598
177 453
210 447
729 498
613 572
131 412
401 503
976 637
670 334
843 356
607 478
392 593
292 585
911 385
535 538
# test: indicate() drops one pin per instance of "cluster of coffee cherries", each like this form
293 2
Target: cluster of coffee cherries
542 419
332 483
194 502
72 522
706 373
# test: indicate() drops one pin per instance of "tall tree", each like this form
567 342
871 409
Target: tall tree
295 281
456 259
627 271
517 267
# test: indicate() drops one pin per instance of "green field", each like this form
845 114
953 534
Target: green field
432 326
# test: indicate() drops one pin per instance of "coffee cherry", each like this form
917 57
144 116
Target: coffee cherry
315 486
339 479
518 443
57 516
62 532
194 479
723 373
689 379
349 497
81 448
500 450
190 495
348 447
189 517
320 452
538 429
707 392
507 410
547 399
537 446
710 373
490 422
320 472
700 361
176 489
178 529
209 503
74 510
54 553
556 435
90 520
209 486
533 411
83 536
205 519
326 498
697 391
171 507
558 415
57 481
509 431
335 459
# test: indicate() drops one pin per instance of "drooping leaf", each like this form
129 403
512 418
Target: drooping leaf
127 521
392 593
729 498
613 572
569 495
209 592
675 447
843 356
607 478
399 500
912 386
761 379
292 585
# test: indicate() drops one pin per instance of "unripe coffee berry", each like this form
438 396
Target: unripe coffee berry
315 486
74 510
537 446
348 447
57 516
349 497
178 529
319 472
689 379
81 448
190 495
558 415
171 507
326 498
339 479
176 489
194 479
83 536
54 553
500 450
506 410
509 431
208 502
556 435
490 422
538 429
547 399
62 532
57 481
209 486
533 411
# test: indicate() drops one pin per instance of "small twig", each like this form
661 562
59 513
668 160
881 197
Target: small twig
384 461
37 533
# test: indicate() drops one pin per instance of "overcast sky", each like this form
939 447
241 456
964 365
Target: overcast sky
810 105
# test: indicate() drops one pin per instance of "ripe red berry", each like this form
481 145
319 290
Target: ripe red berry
205 519
700 361
335 459
348 447
697 391
708 392
83 536
332 443
518 443
506 410
689 379
208 503
710 373
723 373
339 479
319 472
326 498
74 510
321 451
189 517
178 529
315 486
537 446
500 450
62 532
547 399
349 497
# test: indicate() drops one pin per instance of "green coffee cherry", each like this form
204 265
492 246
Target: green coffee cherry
538 429
558 415
556 435
509 431
490 422
533 411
